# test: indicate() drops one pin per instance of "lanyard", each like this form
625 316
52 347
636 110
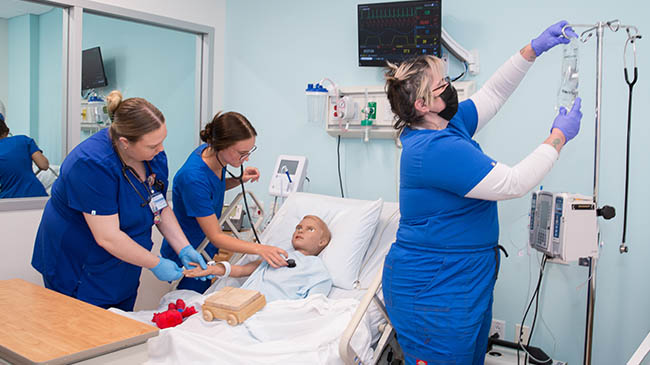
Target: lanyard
151 181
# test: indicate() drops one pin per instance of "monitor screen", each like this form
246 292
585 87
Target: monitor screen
92 69
292 166
398 30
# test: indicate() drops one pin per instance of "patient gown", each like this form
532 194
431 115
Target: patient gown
308 277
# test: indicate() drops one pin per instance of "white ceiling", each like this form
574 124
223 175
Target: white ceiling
12 8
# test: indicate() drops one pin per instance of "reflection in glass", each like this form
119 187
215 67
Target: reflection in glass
151 62
31 87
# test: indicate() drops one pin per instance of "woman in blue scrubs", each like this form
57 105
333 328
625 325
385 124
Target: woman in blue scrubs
95 234
17 179
199 188
439 275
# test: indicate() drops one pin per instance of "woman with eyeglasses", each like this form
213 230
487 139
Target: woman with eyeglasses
95 234
439 275
199 187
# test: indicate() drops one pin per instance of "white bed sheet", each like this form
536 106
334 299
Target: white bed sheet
304 331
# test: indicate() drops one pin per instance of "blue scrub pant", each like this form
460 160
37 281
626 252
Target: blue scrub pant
125 305
440 303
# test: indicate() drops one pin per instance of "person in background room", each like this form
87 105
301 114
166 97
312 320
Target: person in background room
17 179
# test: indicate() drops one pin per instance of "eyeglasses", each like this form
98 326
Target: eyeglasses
447 81
243 155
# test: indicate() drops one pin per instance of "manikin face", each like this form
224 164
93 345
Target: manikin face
147 147
238 153
309 237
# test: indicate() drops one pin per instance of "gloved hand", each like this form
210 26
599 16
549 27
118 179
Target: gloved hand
569 124
167 270
189 254
551 37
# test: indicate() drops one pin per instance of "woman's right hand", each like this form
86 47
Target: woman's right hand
275 256
569 123
167 270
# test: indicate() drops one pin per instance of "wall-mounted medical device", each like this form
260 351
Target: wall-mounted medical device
563 226
288 175
395 31
365 111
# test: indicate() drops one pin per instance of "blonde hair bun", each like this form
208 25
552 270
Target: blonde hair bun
113 101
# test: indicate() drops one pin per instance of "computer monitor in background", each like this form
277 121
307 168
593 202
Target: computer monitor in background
92 69
396 31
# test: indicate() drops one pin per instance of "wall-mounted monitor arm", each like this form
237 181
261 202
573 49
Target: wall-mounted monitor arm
469 57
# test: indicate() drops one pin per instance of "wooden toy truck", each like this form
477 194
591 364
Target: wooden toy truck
234 305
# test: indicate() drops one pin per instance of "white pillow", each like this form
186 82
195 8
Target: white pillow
351 221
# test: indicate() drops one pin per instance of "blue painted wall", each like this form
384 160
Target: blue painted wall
50 85
273 49
23 30
35 80
155 63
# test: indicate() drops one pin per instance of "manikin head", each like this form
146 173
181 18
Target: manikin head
311 236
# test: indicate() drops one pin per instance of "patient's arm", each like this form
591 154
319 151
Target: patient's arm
236 271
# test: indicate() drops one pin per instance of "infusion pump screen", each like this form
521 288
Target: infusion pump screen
291 165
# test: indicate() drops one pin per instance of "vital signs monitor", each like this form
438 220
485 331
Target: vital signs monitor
288 175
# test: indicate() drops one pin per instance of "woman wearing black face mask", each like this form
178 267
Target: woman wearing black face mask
440 273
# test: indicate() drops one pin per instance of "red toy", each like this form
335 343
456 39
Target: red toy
174 314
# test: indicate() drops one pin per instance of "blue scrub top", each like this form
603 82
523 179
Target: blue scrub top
197 192
17 179
91 181
438 167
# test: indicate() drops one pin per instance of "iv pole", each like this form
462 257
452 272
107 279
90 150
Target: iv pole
599 28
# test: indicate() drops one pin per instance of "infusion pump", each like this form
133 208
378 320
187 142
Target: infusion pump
563 226
288 175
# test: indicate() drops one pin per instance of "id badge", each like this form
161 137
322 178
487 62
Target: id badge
157 203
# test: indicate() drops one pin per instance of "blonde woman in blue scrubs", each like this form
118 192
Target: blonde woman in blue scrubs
439 275
95 234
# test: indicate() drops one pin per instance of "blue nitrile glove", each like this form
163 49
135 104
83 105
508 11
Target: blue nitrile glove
569 123
189 254
167 270
551 37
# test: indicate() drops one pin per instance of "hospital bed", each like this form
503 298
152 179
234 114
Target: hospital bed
351 320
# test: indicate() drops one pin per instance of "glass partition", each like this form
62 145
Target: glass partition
142 60
31 89
165 60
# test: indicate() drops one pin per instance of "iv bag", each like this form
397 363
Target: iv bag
569 79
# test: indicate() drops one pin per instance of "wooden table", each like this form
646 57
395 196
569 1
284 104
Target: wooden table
38 325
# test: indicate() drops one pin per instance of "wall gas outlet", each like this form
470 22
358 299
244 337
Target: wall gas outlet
525 333
499 327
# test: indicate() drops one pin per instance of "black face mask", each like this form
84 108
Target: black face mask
450 97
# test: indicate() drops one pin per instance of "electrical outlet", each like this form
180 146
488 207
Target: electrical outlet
525 334
499 327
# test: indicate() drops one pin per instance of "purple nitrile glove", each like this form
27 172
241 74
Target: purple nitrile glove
569 123
551 37
167 270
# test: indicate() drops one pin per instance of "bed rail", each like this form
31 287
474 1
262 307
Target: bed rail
347 353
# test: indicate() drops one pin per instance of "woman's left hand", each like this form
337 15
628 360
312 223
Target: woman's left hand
551 37
251 174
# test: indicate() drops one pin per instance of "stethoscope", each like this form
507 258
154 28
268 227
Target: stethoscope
243 191
151 187
631 38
